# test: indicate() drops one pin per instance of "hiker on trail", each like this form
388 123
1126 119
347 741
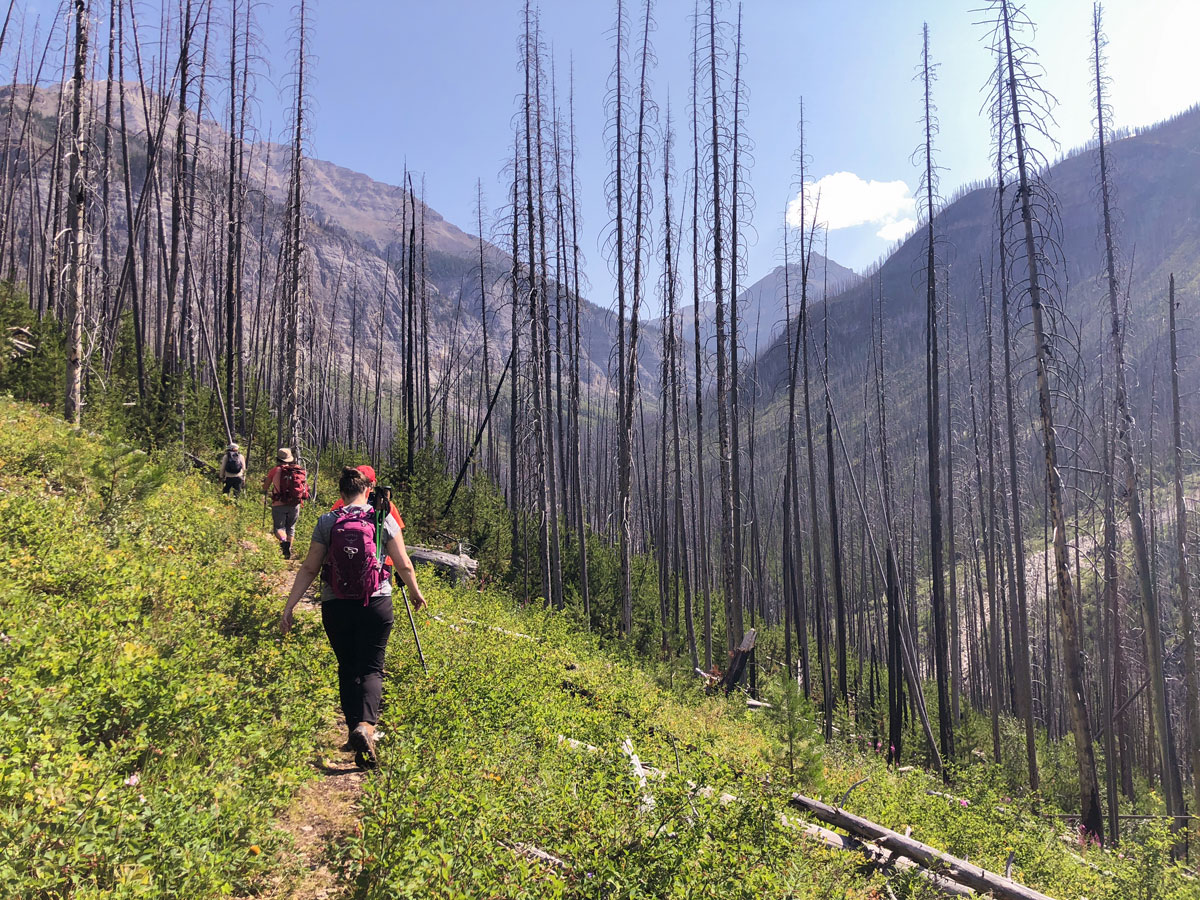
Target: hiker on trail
369 473
356 600
233 470
287 484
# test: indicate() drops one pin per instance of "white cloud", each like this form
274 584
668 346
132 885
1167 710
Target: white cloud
894 231
846 201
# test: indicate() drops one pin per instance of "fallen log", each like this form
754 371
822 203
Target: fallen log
577 745
201 464
529 851
498 630
931 858
875 855
458 566
640 772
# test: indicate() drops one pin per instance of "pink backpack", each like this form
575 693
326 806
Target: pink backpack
353 568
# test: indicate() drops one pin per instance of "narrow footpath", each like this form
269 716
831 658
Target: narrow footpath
324 811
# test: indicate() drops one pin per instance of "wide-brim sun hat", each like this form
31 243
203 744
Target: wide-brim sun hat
233 447
284 455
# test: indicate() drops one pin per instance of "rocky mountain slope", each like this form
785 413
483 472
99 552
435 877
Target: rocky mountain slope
1156 174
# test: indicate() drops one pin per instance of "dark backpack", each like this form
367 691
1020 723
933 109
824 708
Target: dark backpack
353 567
233 463
293 485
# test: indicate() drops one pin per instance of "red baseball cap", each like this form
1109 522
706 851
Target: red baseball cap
368 472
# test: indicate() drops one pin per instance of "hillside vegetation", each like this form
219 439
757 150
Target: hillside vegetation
153 726
151 723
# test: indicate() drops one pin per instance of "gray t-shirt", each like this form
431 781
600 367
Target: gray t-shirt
320 535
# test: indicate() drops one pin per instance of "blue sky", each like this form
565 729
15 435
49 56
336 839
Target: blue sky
435 85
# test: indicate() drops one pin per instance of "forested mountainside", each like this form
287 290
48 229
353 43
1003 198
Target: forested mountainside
359 235
1156 177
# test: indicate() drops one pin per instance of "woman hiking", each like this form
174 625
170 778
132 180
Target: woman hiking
286 485
347 549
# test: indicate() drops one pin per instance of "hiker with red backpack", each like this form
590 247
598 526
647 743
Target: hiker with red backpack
347 549
287 484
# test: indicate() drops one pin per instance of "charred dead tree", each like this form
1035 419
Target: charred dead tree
818 567
835 530
1151 622
1022 112
1015 560
933 428
77 254
733 624
716 214
531 163
617 204
289 419
576 442
701 507
1192 692
793 557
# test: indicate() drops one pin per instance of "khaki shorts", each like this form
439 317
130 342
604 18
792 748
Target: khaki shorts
283 518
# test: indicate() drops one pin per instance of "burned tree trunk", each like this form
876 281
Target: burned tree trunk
76 224
1092 819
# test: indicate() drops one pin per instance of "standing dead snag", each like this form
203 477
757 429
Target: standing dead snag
1019 108
76 223
1024 677
577 340
1185 592
733 624
625 442
821 626
728 580
289 420
702 566
933 429
1152 628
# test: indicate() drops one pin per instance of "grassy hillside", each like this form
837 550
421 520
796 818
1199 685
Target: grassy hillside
153 727
476 771
151 723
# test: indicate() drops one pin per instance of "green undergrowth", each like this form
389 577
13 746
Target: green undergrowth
153 725
151 722
478 767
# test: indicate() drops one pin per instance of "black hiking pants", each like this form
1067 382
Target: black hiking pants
359 635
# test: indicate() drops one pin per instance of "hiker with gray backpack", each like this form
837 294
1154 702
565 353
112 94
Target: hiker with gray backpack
232 469
348 549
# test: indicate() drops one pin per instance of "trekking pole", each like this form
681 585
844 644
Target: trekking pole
413 623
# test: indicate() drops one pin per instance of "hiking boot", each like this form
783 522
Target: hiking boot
362 739
285 547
